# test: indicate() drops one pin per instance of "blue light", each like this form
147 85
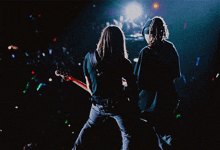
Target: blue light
50 51
197 63
30 16
184 78
13 56
39 86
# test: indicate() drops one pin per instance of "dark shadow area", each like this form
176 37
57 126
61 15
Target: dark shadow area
50 114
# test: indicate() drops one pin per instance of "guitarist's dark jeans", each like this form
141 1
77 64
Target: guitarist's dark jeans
123 118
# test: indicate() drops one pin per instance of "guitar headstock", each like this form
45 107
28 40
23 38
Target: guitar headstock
63 73
57 73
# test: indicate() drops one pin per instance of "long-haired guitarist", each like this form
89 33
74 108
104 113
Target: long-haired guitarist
104 70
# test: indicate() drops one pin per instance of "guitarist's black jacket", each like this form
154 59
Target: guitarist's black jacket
105 77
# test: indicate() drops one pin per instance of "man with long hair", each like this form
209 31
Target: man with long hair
104 70
156 70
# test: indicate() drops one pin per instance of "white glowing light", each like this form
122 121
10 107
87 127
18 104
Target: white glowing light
79 64
16 107
217 75
9 47
43 54
69 125
72 132
121 18
50 79
1 130
135 59
133 11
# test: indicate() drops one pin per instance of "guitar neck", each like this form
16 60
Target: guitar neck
79 83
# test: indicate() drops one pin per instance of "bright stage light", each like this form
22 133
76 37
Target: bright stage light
155 5
133 11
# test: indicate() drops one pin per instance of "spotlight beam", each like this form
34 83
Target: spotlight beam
133 10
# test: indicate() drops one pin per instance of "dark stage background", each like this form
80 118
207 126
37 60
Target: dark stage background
36 36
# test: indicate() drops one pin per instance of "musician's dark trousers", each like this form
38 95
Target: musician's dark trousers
97 114
158 108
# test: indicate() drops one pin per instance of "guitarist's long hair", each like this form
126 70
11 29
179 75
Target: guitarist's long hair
112 43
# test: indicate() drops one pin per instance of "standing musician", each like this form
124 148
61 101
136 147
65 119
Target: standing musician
156 70
104 70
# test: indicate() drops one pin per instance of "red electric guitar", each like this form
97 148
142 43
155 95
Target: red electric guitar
68 78
77 82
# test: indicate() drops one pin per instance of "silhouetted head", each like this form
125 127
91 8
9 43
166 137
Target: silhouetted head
112 43
155 30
